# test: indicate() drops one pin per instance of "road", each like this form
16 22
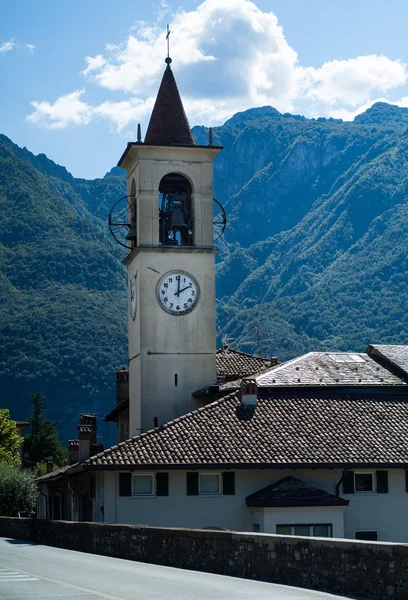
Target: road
30 572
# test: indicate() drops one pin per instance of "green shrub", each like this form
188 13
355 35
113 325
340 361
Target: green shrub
18 491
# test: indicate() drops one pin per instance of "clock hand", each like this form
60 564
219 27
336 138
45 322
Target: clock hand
178 288
186 288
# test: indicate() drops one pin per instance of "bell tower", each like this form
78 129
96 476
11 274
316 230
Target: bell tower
171 264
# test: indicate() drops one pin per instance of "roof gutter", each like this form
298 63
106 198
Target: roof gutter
240 466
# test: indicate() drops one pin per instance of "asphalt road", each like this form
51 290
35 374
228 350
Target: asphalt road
31 571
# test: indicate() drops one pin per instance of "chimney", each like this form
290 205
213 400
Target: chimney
274 361
86 435
249 394
50 466
122 385
73 451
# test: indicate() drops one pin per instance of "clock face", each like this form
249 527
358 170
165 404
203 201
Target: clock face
133 297
177 292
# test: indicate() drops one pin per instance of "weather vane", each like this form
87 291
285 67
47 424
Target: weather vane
168 59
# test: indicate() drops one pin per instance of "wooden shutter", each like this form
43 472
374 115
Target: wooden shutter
382 482
162 484
348 482
125 484
192 484
228 483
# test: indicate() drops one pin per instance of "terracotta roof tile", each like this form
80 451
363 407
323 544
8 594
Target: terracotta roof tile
329 369
236 364
293 492
285 429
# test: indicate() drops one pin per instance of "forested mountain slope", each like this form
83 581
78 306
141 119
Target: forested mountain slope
63 288
317 250
314 255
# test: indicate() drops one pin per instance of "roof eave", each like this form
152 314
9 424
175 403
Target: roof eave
131 145
241 466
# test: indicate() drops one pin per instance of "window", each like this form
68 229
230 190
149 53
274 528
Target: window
209 483
349 358
256 528
368 535
317 530
363 482
142 485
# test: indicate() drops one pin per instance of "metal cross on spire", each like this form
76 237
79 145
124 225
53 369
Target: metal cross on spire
168 59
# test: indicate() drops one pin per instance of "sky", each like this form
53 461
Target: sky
78 76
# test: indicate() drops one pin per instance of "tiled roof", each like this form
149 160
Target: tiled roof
236 364
286 428
293 492
113 415
168 124
329 369
56 474
22 424
396 356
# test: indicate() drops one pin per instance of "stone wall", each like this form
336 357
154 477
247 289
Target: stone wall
369 570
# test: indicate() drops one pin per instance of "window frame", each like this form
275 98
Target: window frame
373 479
208 474
153 478
310 525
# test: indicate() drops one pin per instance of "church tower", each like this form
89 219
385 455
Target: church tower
171 264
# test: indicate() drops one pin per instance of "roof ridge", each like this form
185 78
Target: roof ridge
258 356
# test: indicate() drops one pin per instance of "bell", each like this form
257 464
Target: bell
177 219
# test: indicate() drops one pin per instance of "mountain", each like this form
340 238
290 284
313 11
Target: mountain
315 252
314 255
63 288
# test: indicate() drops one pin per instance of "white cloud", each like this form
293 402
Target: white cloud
353 81
66 110
7 46
162 9
228 56
94 64
30 48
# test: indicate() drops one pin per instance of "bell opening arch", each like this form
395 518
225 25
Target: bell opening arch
176 218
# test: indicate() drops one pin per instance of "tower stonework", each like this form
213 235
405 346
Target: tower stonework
171 266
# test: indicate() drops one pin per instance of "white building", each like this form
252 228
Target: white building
316 446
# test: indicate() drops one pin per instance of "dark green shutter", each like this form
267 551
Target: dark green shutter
348 482
125 484
228 483
192 484
162 484
382 482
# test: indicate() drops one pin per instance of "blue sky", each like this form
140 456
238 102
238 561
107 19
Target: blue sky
78 76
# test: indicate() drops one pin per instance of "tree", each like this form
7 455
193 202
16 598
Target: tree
10 439
42 443
18 491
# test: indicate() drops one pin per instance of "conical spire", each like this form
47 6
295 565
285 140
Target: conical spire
168 124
